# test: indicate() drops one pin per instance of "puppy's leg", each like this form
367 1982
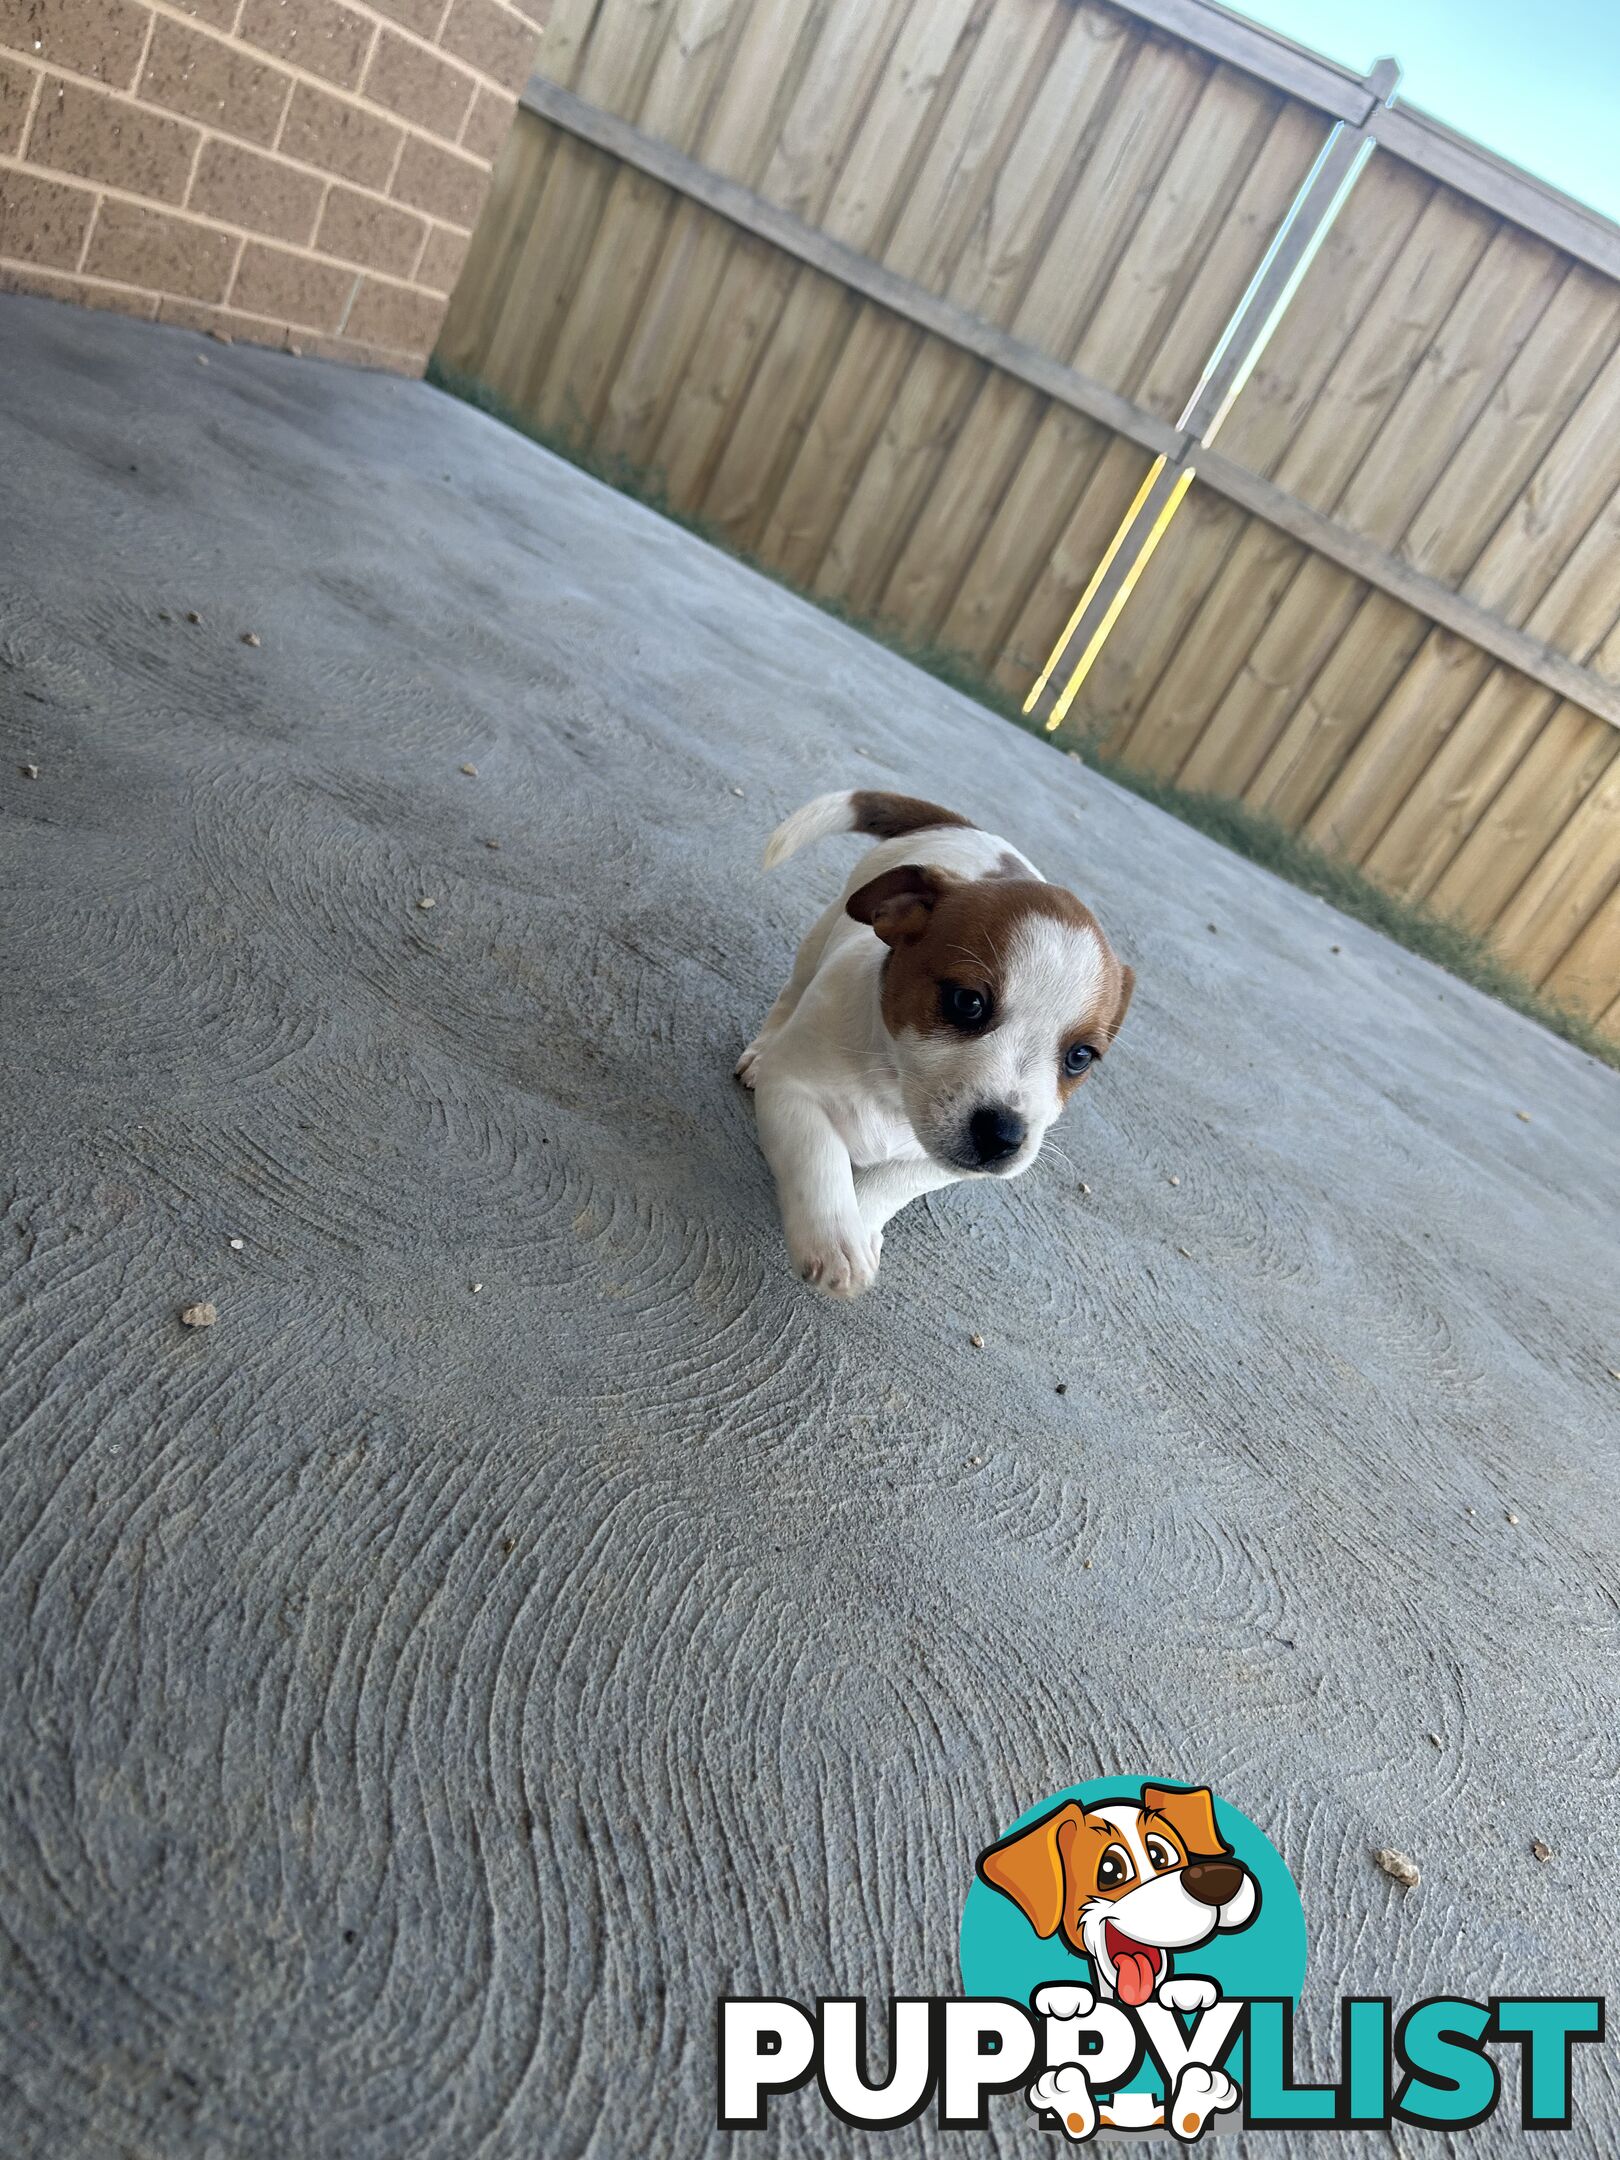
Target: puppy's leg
883 1189
828 1240
805 963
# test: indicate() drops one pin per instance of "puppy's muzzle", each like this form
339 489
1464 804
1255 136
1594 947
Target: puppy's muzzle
994 1134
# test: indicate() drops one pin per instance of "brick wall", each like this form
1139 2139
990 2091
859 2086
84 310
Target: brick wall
296 172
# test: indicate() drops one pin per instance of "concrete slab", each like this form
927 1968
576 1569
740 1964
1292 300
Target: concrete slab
424 1701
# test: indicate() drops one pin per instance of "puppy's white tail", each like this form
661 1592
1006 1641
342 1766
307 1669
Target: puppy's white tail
811 821
879 815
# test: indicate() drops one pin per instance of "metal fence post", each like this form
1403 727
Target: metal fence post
1240 345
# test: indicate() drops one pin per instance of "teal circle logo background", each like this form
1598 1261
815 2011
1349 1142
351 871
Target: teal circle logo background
1001 1954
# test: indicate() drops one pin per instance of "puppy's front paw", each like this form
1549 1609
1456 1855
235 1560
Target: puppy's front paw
746 1068
839 1258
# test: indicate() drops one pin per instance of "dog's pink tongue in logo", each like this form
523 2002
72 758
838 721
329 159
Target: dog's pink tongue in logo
1135 1965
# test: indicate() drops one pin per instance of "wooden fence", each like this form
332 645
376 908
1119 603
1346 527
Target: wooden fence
907 297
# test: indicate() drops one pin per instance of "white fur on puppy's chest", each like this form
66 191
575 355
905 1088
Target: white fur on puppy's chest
872 1131
835 1048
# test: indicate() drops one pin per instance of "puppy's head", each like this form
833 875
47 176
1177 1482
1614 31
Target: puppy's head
1125 1884
1000 995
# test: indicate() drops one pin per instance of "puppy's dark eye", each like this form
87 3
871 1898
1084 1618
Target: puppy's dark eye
1114 1868
963 1008
1161 1855
1076 1058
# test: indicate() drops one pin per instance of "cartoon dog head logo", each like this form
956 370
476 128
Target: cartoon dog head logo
1127 1884
1137 1919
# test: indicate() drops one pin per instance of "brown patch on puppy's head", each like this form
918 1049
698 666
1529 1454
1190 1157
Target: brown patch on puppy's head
999 993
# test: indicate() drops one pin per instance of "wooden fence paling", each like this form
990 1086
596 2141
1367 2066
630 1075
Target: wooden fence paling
957 328
908 296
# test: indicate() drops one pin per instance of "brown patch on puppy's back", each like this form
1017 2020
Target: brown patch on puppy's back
891 817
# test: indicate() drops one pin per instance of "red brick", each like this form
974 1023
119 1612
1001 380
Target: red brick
419 86
16 88
442 259
441 182
320 35
83 131
42 221
118 299
492 39
218 14
360 229
488 122
244 187
422 16
291 288
355 354
241 329
189 72
165 254
340 137
99 38
395 316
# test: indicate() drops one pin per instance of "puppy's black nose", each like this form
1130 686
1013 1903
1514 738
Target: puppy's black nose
995 1133
1212 1882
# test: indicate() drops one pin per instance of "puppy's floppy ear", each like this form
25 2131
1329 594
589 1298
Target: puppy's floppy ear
1028 1867
897 905
1127 983
1191 1815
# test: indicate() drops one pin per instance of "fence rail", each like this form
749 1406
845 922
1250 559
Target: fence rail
908 296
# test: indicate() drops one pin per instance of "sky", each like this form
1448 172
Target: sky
1536 80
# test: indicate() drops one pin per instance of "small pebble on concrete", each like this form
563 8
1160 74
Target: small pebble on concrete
1397 1865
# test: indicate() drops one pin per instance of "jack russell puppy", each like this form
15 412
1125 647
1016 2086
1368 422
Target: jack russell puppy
938 1017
